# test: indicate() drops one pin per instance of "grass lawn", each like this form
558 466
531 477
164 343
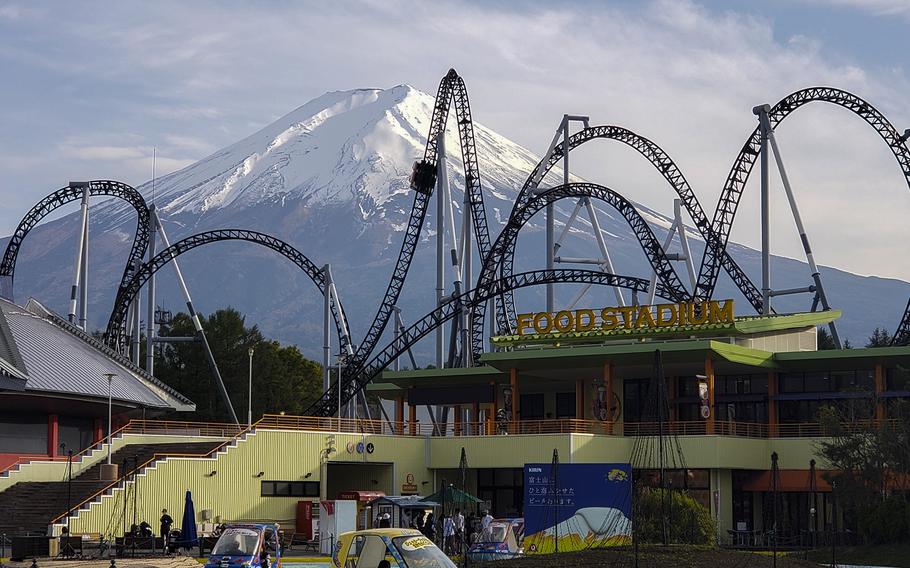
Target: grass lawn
674 556
897 555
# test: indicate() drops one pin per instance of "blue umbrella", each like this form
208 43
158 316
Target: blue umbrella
188 536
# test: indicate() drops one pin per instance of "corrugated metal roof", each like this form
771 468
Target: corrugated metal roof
61 358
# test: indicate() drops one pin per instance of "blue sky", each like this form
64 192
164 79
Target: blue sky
90 88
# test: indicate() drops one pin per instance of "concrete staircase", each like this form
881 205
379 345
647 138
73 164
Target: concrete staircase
29 507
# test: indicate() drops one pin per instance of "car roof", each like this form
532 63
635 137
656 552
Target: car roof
390 532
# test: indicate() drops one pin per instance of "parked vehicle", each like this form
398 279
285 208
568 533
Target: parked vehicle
247 546
401 548
502 539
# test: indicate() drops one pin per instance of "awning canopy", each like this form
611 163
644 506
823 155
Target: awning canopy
451 494
362 496
789 481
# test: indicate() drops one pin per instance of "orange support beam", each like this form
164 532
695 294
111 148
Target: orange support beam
580 399
53 432
709 372
879 388
412 420
399 415
772 405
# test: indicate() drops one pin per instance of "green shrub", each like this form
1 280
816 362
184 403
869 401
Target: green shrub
886 522
689 521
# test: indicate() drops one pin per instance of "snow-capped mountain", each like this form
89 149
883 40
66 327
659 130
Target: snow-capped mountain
331 178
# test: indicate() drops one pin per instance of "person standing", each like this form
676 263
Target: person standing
459 529
448 534
487 519
429 527
166 522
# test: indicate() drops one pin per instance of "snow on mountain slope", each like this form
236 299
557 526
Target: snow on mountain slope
331 178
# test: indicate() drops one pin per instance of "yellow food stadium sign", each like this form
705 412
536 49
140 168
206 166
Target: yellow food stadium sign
627 317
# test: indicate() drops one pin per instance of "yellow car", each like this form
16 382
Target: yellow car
388 548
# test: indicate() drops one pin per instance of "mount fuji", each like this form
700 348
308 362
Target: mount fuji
331 178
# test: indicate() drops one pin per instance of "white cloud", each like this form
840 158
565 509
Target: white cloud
193 77
877 7
101 152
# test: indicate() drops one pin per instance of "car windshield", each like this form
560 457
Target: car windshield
236 542
495 532
420 552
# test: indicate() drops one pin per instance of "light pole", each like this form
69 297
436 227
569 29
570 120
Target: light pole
110 383
249 410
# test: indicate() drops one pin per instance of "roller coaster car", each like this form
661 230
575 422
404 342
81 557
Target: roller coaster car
423 177
247 546
402 548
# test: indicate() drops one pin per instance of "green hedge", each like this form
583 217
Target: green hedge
886 522
689 521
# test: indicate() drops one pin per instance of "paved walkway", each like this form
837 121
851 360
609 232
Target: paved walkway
169 562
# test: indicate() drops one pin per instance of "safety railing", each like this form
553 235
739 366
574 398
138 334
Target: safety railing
182 428
820 430
125 476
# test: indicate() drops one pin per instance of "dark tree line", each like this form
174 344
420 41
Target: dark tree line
283 379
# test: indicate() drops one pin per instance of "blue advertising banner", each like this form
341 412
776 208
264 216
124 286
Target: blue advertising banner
577 506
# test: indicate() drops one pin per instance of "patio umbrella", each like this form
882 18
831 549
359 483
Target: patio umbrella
188 536
451 494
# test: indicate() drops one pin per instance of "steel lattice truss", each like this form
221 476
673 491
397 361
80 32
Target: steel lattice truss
60 198
451 91
116 324
668 283
668 169
742 167
496 280
354 379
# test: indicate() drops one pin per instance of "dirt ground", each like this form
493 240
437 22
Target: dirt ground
654 557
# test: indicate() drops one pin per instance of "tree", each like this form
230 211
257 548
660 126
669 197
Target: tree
879 338
870 465
283 379
825 340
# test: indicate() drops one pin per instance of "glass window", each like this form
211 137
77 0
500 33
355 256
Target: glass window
817 382
531 406
290 489
420 552
897 379
688 386
791 382
565 405
237 542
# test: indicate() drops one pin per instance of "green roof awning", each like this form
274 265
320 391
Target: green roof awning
628 354
745 325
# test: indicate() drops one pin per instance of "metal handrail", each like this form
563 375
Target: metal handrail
154 458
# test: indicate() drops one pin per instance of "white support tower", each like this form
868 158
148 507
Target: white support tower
677 229
768 292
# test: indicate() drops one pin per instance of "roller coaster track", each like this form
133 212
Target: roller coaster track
451 90
60 198
667 168
742 168
356 378
669 284
125 296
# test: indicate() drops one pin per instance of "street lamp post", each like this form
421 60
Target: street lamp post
249 410
110 383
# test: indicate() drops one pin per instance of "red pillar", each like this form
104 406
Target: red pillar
53 433
99 430
709 372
